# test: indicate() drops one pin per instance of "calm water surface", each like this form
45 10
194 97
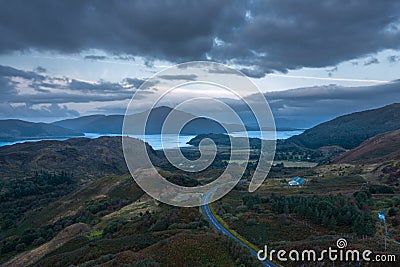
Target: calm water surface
174 141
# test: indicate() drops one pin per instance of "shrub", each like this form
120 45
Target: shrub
380 189
251 221
242 208
392 212
20 247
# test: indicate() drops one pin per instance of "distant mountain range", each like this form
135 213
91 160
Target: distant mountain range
349 131
80 124
14 130
154 122
93 124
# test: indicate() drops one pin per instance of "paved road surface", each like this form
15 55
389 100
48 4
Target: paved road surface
220 228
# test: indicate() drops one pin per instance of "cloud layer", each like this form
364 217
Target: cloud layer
35 94
305 107
309 106
30 94
261 36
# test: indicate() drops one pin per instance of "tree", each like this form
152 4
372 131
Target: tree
332 223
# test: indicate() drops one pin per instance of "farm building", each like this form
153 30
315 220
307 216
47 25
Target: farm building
297 181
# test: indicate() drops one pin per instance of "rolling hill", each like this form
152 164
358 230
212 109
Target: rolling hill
94 124
349 131
78 124
13 130
224 140
54 218
86 157
112 124
380 148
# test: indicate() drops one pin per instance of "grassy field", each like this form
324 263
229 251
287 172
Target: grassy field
296 164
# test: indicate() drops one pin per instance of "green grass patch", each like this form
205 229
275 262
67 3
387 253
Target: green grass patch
96 234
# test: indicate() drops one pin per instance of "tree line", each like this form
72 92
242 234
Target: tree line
331 211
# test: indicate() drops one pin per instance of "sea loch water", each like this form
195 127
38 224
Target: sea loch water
171 141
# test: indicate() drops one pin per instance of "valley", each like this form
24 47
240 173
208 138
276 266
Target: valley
73 202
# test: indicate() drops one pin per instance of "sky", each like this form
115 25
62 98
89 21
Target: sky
314 60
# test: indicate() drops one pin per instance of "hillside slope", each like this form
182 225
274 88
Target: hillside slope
78 124
349 131
380 148
110 220
112 124
30 257
13 130
86 157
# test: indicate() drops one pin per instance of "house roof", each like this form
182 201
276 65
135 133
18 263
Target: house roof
298 179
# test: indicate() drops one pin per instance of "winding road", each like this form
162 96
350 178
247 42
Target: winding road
205 208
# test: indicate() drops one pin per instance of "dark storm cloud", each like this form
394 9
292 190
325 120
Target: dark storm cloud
102 87
27 111
331 71
125 58
335 92
222 70
189 77
40 69
7 88
60 98
117 57
164 29
95 57
256 72
393 59
135 82
261 36
15 85
370 61
6 71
